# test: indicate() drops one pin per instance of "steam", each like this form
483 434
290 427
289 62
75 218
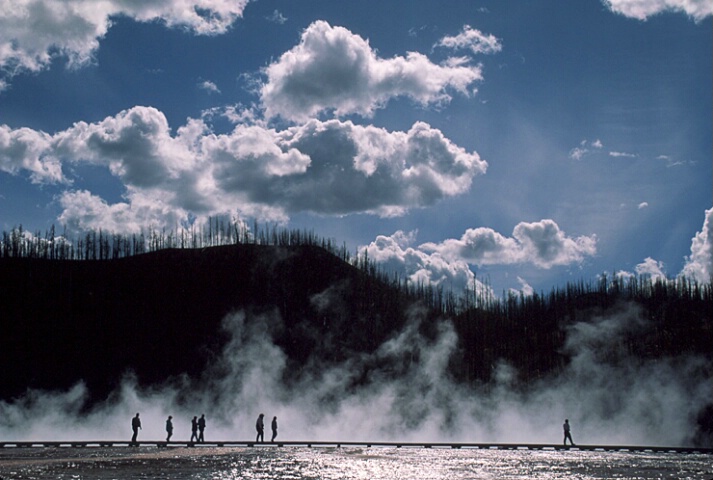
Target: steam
401 391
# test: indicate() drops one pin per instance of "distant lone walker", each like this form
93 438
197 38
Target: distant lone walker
567 434
169 428
201 428
260 427
274 429
135 426
194 429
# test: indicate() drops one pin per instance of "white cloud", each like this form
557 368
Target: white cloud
584 149
83 210
334 70
578 153
541 243
622 154
32 32
395 254
209 86
339 168
525 288
652 269
699 265
642 9
473 40
643 205
25 149
329 167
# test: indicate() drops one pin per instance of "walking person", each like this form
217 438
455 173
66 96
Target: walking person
169 428
567 432
194 429
135 426
260 427
201 428
274 429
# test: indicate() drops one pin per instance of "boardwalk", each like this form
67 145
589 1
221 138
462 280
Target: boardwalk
337 444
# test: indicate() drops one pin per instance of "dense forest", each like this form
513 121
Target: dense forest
95 307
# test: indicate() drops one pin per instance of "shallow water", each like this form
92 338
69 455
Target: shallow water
344 463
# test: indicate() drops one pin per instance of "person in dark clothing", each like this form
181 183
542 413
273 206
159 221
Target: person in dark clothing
169 428
567 433
194 429
201 428
274 429
135 426
260 427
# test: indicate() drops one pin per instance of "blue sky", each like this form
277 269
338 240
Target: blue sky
524 143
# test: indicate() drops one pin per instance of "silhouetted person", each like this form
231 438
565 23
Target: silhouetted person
260 427
194 429
135 426
567 433
169 428
201 428
274 428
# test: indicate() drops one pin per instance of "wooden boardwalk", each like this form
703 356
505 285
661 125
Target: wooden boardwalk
337 444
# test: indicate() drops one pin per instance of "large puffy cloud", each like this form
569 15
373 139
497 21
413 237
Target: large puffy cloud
31 31
395 254
699 265
331 167
332 69
26 149
542 244
642 9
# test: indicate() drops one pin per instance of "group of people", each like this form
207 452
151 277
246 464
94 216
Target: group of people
260 427
198 428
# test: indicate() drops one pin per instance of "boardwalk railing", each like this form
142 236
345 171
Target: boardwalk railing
338 444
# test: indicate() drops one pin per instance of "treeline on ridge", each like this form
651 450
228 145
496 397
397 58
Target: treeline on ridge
152 303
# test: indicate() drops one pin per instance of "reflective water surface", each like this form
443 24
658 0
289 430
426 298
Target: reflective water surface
344 463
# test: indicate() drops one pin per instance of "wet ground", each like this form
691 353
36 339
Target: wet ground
218 463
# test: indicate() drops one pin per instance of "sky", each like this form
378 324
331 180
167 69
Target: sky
511 145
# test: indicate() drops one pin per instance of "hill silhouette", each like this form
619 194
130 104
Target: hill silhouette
158 315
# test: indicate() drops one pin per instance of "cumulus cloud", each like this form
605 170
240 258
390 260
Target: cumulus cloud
331 167
25 149
473 40
699 265
396 254
542 244
643 9
32 32
652 269
334 70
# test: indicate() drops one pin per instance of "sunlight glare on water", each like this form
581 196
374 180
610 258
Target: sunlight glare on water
325 463
417 463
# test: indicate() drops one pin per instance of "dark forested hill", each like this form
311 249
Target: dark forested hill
158 314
